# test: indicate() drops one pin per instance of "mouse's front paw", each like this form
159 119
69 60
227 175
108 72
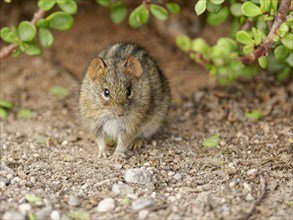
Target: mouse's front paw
137 144
117 155
103 154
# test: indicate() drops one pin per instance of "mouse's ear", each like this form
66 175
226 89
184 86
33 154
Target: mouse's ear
96 68
133 67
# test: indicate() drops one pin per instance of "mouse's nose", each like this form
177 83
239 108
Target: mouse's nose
120 111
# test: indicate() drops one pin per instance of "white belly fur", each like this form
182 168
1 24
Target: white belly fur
112 128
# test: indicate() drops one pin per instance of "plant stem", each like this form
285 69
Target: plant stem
7 50
266 46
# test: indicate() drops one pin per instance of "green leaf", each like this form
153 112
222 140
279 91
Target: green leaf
173 7
236 9
219 18
247 49
104 3
68 6
46 4
159 12
281 52
287 41
289 59
45 37
33 50
200 7
31 198
254 115
8 35
118 13
32 216
217 2
183 42
5 104
16 52
138 16
257 35
24 114
284 74
126 201
42 23
3 113
59 91
250 9
263 62
283 30
275 4
212 141
26 31
79 215
290 203
265 6
40 139
199 45
23 46
244 37
213 8
60 21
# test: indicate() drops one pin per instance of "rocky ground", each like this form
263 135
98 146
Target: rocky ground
49 167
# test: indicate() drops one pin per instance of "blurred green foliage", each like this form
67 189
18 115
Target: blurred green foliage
251 22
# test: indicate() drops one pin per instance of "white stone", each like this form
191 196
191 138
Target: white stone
137 175
73 201
106 205
55 215
13 215
122 189
177 176
141 204
24 208
252 172
143 214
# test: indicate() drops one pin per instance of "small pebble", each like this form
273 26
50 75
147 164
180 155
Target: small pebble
24 208
13 215
73 201
143 214
249 197
141 204
55 215
252 172
44 213
118 166
137 175
178 139
106 205
2 184
177 176
122 189
15 180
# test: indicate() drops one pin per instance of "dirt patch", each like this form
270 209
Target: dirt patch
249 175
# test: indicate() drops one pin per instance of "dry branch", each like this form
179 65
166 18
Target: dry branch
266 46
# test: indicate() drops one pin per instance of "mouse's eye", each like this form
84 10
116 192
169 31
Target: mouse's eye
128 92
107 93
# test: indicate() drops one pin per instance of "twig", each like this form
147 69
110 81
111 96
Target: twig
7 50
259 199
265 47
